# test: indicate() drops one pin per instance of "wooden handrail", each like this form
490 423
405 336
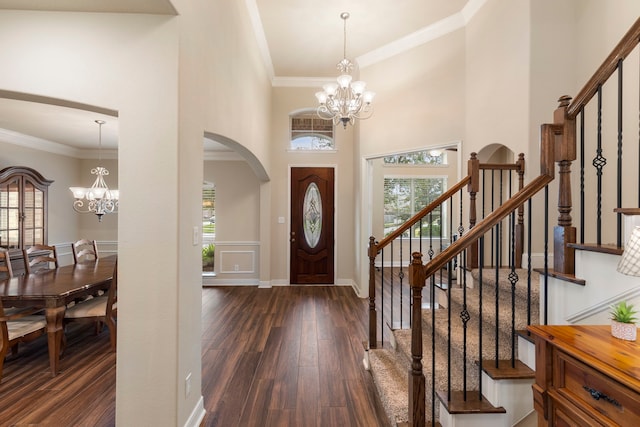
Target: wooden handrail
500 166
423 212
486 224
620 52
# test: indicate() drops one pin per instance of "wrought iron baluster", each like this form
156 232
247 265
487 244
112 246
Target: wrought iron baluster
481 285
382 298
448 328
511 222
529 266
546 254
496 284
401 275
582 160
391 284
513 280
499 242
619 186
599 163
493 182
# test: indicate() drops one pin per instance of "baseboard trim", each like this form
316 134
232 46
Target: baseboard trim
197 415
229 282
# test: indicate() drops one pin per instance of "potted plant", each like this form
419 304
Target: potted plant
623 321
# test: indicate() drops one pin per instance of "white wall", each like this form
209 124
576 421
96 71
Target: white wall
497 77
127 63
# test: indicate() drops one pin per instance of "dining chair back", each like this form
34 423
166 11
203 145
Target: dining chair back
102 309
46 255
6 271
84 249
18 327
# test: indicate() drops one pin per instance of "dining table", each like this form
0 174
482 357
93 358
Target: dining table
53 290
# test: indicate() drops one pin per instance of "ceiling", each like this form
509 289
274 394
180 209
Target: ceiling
300 40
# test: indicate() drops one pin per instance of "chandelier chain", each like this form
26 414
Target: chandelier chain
344 16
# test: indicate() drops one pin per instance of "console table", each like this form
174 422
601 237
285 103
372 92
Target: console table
585 377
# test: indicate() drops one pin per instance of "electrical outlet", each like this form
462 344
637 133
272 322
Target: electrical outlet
236 267
187 385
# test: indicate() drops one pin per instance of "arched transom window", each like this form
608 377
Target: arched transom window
310 132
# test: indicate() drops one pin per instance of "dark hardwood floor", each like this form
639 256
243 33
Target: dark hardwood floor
286 356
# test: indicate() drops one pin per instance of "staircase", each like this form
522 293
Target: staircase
460 356
390 366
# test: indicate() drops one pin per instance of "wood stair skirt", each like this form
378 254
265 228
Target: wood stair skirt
390 366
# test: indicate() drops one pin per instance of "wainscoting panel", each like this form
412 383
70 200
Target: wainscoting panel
236 263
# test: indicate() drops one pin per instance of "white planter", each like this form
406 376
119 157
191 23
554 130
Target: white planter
624 331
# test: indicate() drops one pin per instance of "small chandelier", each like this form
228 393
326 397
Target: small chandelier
345 101
97 199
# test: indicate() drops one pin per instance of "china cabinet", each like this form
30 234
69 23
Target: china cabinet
23 207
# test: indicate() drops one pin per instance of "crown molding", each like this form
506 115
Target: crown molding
40 144
425 35
261 39
300 81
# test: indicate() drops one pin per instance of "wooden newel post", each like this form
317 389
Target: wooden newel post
564 152
373 333
473 170
416 376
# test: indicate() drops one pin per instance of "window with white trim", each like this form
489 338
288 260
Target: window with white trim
310 132
405 196
424 157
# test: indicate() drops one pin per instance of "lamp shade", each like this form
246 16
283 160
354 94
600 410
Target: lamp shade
358 87
322 97
630 262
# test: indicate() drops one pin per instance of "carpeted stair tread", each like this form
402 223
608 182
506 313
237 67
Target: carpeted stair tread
391 378
403 340
457 298
457 334
504 284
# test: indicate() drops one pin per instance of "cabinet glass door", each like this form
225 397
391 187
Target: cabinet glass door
33 210
10 214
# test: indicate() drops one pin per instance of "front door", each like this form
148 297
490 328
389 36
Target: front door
311 233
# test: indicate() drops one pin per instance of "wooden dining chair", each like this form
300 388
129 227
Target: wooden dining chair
84 249
40 261
18 327
102 309
6 271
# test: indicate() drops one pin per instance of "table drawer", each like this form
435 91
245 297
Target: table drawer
595 392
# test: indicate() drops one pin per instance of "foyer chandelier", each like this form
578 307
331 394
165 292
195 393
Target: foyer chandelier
345 101
97 199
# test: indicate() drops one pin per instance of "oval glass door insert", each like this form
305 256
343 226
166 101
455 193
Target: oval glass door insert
312 214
